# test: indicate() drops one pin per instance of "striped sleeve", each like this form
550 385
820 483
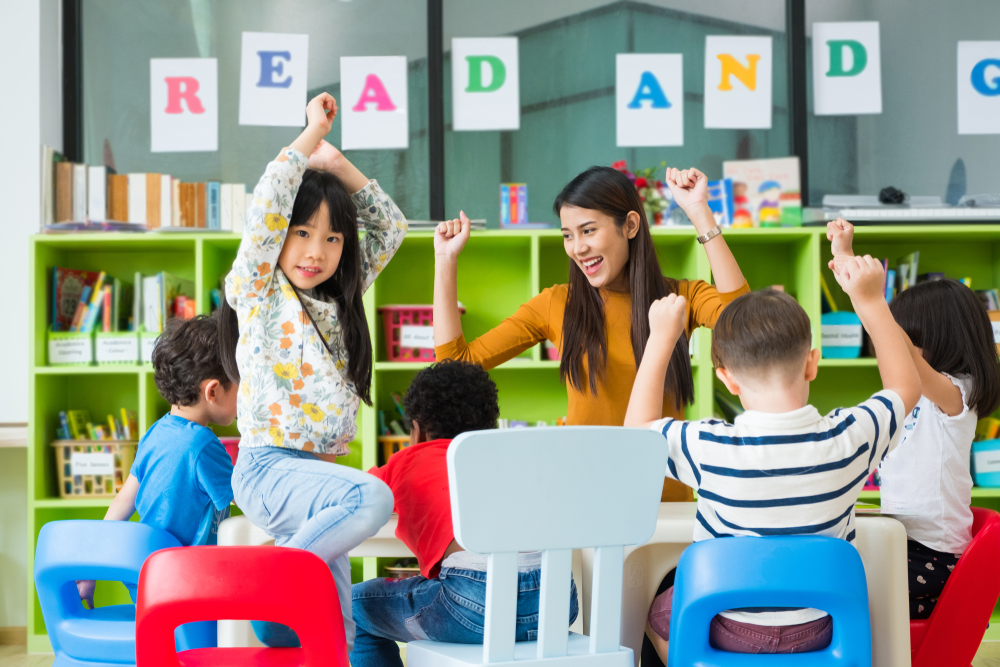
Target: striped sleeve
881 419
682 450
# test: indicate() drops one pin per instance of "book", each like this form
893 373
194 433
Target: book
200 205
67 288
175 202
80 192
240 202
137 197
152 318
130 424
153 200
118 197
78 421
766 193
81 308
226 207
890 285
907 267
212 210
95 304
64 192
64 432
137 305
97 198
50 157
106 310
188 197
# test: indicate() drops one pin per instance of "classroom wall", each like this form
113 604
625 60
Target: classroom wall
13 536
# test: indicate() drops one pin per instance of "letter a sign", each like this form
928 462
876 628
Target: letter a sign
273 69
373 102
484 84
184 105
847 68
649 99
738 82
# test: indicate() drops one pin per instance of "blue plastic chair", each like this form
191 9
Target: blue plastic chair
105 551
796 571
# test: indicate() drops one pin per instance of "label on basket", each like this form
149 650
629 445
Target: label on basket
996 332
148 343
70 350
988 461
420 337
117 349
841 335
92 463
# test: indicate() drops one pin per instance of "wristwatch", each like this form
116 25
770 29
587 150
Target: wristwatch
709 235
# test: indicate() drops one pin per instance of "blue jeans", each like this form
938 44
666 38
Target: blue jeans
306 503
450 608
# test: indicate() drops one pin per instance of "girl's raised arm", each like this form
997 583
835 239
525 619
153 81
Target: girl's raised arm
273 197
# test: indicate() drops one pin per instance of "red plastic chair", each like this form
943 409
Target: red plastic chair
283 585
951 636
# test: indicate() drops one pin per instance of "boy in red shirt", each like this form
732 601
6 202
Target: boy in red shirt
447 602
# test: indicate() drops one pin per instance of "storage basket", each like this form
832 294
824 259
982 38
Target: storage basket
112 458
391 444
409 332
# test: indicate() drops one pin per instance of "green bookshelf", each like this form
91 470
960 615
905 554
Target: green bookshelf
499 271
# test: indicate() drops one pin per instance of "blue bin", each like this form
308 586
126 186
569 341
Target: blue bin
986 463
841 335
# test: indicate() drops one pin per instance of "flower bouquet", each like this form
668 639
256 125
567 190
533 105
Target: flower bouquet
654 194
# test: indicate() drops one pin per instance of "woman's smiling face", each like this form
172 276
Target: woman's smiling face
597 245
311 253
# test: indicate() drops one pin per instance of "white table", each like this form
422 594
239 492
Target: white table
881 543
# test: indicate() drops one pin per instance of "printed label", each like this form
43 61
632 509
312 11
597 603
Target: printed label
117 350
841 335
92 463
420 337
987 462
70 351
996 332
148 343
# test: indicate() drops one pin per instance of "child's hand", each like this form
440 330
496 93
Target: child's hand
320 112
451 236
325 157
667 316
840 233
86 590
689 187
862 278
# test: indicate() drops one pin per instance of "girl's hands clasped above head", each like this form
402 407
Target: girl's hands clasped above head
325 157
451 236
688 187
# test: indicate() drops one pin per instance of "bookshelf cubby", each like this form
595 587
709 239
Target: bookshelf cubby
498 272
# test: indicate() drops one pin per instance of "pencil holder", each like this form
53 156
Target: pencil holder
70 348
117 347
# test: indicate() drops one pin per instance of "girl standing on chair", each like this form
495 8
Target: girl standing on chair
296 338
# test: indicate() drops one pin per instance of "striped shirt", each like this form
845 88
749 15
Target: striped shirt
790 473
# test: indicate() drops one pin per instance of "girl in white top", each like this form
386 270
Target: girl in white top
926 480
295 337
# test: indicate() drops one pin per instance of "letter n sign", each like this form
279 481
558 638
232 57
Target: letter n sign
184 105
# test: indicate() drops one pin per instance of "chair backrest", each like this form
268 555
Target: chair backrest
102 550
796 571
287 586
955 628
554 490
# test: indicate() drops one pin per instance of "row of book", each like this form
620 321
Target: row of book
990 298
77 425
85 301
74 192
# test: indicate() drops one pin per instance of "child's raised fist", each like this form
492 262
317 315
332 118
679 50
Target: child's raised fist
321 111
667 316
840 233
451 236
862 278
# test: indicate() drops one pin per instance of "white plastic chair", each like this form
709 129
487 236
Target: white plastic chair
550 490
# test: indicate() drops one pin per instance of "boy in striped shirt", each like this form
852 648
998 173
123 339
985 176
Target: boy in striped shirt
781 468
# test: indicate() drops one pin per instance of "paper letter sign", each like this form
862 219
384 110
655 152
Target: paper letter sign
649 99
738 82
184 105
273 69
373 102
847 68
485 87
979 87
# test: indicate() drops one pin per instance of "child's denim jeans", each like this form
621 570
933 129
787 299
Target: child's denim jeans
450 608
310 504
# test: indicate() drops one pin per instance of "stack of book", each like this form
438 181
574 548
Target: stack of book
76 425
78 192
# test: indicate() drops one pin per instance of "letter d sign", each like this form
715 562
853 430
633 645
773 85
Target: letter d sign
485 84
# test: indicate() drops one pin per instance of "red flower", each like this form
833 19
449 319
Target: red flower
619 165
641 182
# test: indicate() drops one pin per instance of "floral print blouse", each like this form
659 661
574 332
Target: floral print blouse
293 393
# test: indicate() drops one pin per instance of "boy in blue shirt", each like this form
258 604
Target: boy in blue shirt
181 479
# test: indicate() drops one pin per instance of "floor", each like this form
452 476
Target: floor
15 656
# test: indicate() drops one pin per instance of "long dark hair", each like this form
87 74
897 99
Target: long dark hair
344 288
949 323
609 191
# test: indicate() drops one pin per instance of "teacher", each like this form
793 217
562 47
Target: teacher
600 320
